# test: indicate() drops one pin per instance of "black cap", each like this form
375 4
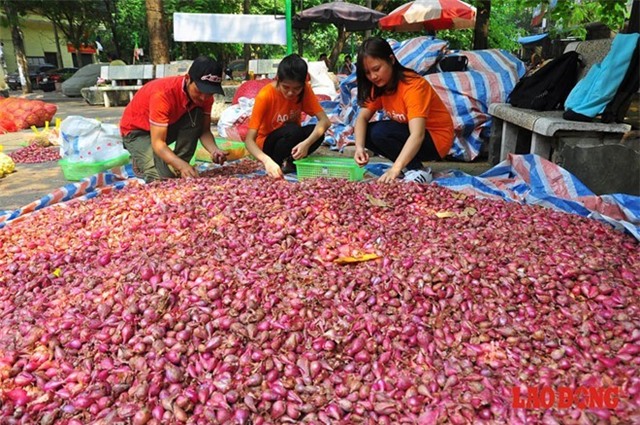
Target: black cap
207 74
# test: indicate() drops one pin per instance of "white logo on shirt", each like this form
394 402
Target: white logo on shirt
399 117
291 116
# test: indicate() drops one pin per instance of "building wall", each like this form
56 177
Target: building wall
39 39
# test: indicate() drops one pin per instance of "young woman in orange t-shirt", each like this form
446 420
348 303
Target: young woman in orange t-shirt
419 127
275 136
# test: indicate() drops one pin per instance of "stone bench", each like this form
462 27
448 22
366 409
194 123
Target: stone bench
120 76
547 134
547 129
116 93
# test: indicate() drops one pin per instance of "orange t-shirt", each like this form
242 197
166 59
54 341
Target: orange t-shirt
415 98
272 110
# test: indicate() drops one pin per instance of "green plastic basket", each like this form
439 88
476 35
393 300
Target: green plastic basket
75 171
319 166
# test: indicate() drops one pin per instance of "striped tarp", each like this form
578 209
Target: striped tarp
490 78
87 188
418 53
531 179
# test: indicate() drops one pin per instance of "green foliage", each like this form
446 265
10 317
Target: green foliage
508 22
131 14
75 18
130 19
509 19
19 7
568 18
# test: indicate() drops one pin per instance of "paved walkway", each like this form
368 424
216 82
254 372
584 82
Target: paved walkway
33 181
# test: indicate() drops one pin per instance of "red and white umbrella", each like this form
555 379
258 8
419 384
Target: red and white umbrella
430 15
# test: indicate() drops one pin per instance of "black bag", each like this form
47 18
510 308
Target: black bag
451 63
549 86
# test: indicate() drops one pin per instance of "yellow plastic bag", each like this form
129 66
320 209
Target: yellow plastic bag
47 137
6 164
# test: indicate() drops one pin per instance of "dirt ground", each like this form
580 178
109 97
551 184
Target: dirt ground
33 181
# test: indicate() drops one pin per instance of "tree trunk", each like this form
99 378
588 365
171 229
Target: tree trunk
634 19
18 45
79 57
481 33
58 51
342 37
367 33
111 11
246 52
158 42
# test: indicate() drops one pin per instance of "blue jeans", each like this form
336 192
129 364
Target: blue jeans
387 138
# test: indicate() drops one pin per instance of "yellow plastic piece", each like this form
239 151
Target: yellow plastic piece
358 259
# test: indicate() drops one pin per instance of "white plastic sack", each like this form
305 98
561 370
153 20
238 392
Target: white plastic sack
88 140
240 111
321 81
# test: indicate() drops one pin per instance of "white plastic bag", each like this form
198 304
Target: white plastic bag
88 140
234 114
321 82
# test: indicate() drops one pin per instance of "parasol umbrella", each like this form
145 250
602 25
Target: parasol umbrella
351 17
430 15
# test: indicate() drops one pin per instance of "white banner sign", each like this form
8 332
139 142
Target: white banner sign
226 28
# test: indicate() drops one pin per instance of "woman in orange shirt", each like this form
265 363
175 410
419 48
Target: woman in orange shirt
419 127
275 136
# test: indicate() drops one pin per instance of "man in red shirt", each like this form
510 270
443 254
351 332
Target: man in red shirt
172 109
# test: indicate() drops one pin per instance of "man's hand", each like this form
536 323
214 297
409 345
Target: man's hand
187 171
299 151
273 169
361 157
219 156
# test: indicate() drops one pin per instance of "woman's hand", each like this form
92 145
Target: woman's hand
300 151
273 169
389 176
361 157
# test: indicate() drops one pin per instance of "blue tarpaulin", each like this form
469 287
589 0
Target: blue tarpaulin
532 38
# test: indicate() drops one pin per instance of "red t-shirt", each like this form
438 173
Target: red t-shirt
415 98
160 102
272 110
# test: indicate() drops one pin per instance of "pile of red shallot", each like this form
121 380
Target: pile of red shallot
35 153
256 301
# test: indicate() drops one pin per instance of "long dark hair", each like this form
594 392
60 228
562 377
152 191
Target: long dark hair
378 48
293 68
